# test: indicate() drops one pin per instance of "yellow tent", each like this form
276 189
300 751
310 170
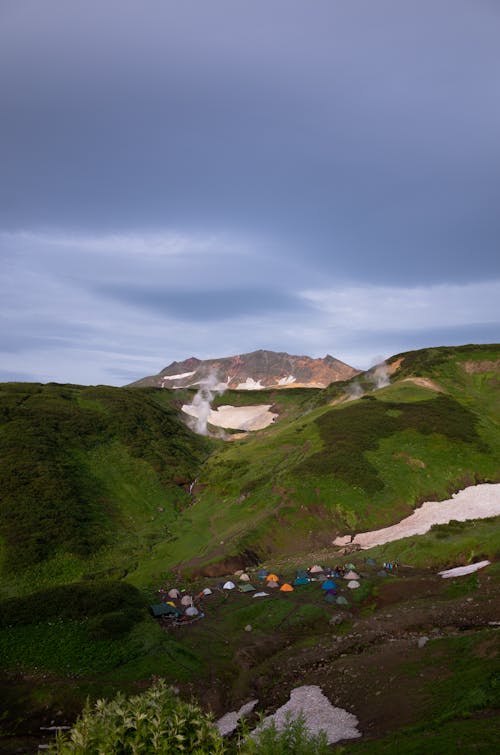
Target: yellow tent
272 578
286 588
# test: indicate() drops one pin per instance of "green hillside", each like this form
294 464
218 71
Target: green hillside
107 495
347 465
91 478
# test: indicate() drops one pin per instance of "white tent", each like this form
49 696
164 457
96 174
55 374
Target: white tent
353 584
244 577
191 611
260 595
272 583
228 585
174 593
207 591
351 575
187 600
316 569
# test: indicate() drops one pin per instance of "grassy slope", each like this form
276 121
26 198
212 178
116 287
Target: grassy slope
91 479
352 466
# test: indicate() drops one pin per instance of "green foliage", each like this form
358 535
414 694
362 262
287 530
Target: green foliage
349 432
53 496
293 739
156 721
75 601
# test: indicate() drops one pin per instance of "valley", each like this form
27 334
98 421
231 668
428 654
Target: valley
107 497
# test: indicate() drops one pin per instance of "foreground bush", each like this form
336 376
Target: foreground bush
294 739
156 721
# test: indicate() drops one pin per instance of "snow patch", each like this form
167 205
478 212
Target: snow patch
177 377
474 502
250 385
255 417
460 571
287 380
319 715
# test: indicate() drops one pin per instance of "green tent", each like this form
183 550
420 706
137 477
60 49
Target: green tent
247 587
341 601
164 610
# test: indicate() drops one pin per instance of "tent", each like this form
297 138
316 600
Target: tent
316 569
272 583
322 578
246 588
341 601
328 584
260 595
191 611
228 585
187 600
382 573
174 593
351 575
371 562
301 574
244 577
350 566
272 578
163 610
353 584
238 573
300 581
286 587
330 598
262 574
207 591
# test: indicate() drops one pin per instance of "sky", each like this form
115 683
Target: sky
209 178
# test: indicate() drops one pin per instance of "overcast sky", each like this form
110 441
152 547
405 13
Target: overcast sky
212 177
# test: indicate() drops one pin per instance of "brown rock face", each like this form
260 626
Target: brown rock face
259 369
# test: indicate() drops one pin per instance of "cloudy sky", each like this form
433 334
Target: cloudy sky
209 178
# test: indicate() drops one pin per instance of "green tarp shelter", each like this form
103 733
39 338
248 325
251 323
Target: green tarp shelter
163 610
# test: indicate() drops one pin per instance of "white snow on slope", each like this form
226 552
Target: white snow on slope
319 715
250 385
237 417
461 571
287 380
177 377
474 502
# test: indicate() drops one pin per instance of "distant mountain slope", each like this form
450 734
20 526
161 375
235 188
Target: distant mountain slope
257 370
347 464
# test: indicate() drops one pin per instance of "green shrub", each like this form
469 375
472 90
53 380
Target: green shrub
156 721
294 739
348 432
75 601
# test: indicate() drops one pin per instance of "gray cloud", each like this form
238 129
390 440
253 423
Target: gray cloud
199 305
172 166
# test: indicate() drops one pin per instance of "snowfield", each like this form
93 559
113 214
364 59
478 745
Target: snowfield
244 418
475 502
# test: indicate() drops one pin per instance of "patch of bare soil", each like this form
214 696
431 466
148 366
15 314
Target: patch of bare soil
471 367
424 383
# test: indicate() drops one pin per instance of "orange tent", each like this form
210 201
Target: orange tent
286 588
272 578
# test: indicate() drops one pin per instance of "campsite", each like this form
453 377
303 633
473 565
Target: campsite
150 525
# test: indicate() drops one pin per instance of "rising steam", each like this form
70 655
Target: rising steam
210 387
379 375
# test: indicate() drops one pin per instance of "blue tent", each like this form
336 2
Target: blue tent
300 581
262 574
328 584
302 573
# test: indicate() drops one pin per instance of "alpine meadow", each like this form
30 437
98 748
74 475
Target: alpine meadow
110 500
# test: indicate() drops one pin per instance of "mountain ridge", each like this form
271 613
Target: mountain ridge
254 370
